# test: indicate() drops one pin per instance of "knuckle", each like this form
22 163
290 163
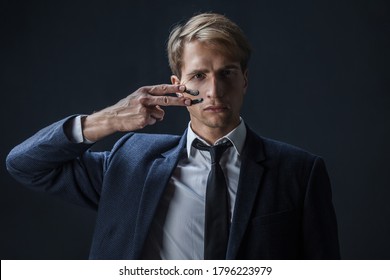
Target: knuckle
143 99
152 89
164 88
143 89
142 110
164 100
155 89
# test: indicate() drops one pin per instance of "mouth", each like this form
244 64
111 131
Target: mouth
216 108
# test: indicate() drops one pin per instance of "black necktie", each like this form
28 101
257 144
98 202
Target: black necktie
216 233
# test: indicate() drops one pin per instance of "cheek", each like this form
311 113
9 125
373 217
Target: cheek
201 86
190 110
194 109
238 99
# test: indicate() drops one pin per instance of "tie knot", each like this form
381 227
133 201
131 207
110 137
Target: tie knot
216 151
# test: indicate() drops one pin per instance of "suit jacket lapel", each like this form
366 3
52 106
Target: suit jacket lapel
155 183
250 179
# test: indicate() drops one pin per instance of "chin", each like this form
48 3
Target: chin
218 123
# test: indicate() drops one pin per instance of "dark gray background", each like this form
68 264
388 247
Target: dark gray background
319 79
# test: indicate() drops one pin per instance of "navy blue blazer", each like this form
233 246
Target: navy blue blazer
283 206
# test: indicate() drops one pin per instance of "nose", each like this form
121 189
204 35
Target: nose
213 88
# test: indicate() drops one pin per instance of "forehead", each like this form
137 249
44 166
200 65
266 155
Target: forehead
197 53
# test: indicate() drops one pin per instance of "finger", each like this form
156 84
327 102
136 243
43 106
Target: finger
157 113
150 120
166 101
196 101
163 89
192 92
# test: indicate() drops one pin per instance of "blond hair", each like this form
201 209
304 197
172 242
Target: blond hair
210 28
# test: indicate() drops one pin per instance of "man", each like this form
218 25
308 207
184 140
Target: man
159 196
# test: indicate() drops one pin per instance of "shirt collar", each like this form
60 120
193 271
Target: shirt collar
236 136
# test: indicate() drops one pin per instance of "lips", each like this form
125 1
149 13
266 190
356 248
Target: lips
216 108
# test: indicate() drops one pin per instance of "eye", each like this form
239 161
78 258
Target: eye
227 72
198 76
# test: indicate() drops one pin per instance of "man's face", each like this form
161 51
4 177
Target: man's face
220 82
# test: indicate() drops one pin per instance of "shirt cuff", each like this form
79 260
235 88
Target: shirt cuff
77 131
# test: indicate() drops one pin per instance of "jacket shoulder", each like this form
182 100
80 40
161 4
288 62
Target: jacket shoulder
146 138
146 143
282 149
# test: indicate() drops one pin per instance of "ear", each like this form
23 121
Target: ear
245 79
175 80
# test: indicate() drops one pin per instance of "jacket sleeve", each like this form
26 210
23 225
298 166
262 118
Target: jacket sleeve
319 220
50 162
